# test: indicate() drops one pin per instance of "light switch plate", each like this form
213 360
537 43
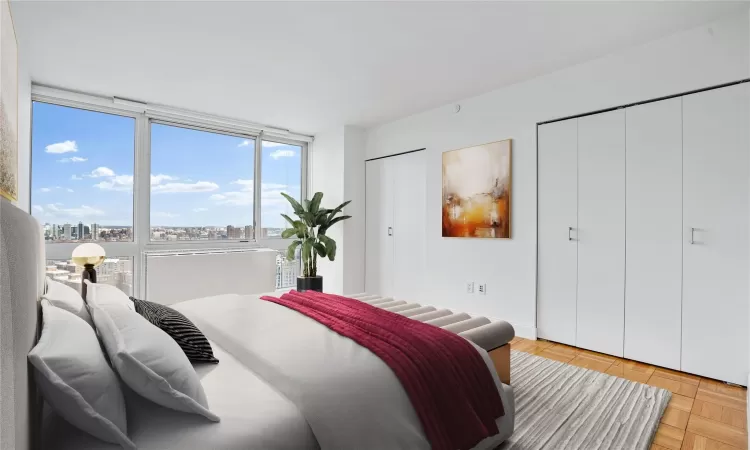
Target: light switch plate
470 287
483 289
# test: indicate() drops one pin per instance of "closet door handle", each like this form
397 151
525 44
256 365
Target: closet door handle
692 235
390 231
570 230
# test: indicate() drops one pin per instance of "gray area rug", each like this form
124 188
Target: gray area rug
559 406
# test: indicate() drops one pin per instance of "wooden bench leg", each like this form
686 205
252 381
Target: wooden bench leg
501 358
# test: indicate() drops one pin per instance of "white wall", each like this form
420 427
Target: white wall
24 135
705 56
337 169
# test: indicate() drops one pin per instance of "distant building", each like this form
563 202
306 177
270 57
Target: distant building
80 233
95 231
234 232
67 232
55 231
248 232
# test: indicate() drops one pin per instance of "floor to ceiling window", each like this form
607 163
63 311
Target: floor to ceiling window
136 183
201 185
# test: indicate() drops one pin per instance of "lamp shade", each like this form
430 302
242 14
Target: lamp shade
89 253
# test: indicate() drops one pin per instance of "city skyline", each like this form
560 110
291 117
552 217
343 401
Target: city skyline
83 170
98 232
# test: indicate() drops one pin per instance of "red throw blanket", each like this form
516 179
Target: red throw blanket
448 382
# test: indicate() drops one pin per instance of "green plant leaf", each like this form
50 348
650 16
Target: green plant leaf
330 246
315 203
320 249
309 218
324 228
291 249
289 232
338 209
298 209
288 219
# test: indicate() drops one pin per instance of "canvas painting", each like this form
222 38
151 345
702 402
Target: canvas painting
477 191
8 105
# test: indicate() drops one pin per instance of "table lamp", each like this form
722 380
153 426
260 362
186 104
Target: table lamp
88 256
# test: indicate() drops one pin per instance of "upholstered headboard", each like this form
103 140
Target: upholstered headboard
21 284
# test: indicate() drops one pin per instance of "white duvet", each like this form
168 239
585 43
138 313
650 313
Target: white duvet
349 397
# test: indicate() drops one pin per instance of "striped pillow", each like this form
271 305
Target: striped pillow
180 328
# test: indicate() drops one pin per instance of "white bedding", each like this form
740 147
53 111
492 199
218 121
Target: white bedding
253 416
350 397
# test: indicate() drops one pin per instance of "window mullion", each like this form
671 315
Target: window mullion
141 194
257 189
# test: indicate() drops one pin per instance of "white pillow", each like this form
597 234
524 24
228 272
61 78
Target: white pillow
107 294
76 380
148 359
67 298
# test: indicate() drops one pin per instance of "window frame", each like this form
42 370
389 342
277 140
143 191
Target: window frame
144 115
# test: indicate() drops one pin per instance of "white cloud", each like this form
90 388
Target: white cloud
198 186
45 190
269 144
70 190
270 195
37 208
247 185
164 215
157 179
75 177
276 154
245 143
200 209
74 159
116 183
102 172
56 210
243 198
62 147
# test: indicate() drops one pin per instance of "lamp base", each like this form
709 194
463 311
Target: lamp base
89 273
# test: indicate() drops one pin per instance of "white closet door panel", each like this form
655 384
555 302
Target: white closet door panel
653 249
601 232
409 213
379 218
558 210
715 267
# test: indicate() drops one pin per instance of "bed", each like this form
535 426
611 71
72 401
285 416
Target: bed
284 381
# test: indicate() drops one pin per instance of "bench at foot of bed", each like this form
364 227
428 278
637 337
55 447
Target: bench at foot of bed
494 337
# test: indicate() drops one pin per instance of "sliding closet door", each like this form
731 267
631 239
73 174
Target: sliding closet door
716 140
379 226
558 211
409 213
653 290
601 232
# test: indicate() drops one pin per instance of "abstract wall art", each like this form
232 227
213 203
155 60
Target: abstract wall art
8 105
477 191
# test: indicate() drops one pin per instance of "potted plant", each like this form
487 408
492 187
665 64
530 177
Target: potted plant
310 235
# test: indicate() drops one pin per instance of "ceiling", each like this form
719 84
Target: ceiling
310 66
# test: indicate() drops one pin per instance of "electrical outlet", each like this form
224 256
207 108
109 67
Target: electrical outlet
482 289
470 287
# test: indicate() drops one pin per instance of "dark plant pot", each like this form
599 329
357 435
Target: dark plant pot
310 284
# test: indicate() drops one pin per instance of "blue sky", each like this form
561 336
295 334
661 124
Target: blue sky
82 170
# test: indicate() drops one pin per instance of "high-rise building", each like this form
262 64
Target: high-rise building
55 231
80 234
95 231
66 232
248 232
234 232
